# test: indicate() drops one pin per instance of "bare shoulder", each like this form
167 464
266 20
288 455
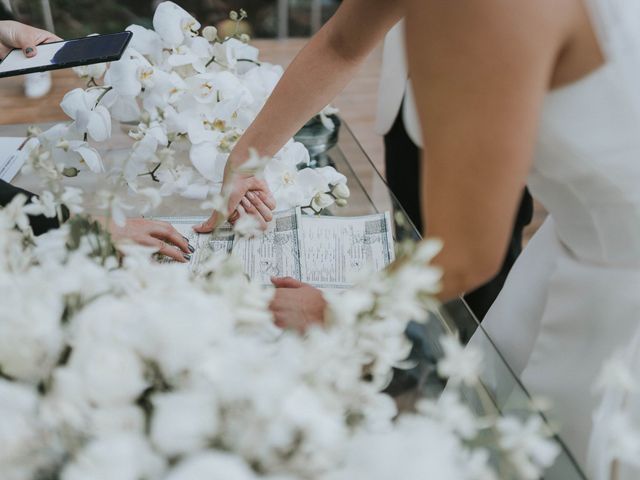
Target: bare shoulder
508 24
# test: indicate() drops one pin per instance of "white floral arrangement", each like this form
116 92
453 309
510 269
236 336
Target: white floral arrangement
185 96
125 368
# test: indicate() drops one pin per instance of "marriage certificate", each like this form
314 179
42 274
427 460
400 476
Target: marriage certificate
325 251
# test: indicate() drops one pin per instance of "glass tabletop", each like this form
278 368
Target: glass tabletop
370 194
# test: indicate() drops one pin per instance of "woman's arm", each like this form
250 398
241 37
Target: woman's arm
480 72
318 73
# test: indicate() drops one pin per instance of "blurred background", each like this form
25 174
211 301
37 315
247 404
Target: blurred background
279 28
267 18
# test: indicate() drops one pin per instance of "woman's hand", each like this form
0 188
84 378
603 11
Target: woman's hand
18 35
152 233
297 305
248 194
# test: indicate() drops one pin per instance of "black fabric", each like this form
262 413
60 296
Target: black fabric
402 161
40 224
4 13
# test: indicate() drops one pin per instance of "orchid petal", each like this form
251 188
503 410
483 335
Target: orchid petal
74 101
207 161
99 125
91 157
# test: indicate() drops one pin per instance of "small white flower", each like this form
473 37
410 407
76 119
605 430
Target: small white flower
210 33
211 465
247 226
152 197
321 201
341 191
183 422
325 118
45 204
72 199
123 456
460 364
14 214
453 414
528 445
624 439
94 71
114 205
616 374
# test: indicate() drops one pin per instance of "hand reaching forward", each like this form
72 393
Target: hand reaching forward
249 195
18 35
152 233
297 305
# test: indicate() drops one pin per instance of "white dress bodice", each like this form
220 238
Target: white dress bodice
573 297
587 163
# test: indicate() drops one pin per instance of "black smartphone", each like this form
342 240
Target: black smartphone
66 54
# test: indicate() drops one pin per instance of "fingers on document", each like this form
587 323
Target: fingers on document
208 225
286 282
260 206
167 233
250 209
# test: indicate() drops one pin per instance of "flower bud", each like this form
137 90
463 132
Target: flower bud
341 191
233 15
210 33
63 144
321 201
70 172
341 202
244 38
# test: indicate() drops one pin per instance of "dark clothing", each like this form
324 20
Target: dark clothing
40 224
402 160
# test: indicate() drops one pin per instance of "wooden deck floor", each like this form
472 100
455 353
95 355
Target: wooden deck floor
357 103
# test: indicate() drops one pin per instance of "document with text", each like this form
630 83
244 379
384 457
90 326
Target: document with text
325 251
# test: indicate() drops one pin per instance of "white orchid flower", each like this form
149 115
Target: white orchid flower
203 88
88 117
147 42
78 151
196 55
94 71
174 24
114 205
164 90
208 161
231 50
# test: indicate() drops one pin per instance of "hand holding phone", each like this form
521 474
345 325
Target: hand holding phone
66 54
18 35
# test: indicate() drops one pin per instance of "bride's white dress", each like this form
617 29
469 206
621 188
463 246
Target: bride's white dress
573 297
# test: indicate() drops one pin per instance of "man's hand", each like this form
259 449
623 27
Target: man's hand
297 305
249 194
152 233
18 35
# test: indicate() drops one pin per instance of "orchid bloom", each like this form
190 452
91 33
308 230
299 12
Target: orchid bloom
89 117
174 24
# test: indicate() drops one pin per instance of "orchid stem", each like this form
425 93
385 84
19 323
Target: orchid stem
152 173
